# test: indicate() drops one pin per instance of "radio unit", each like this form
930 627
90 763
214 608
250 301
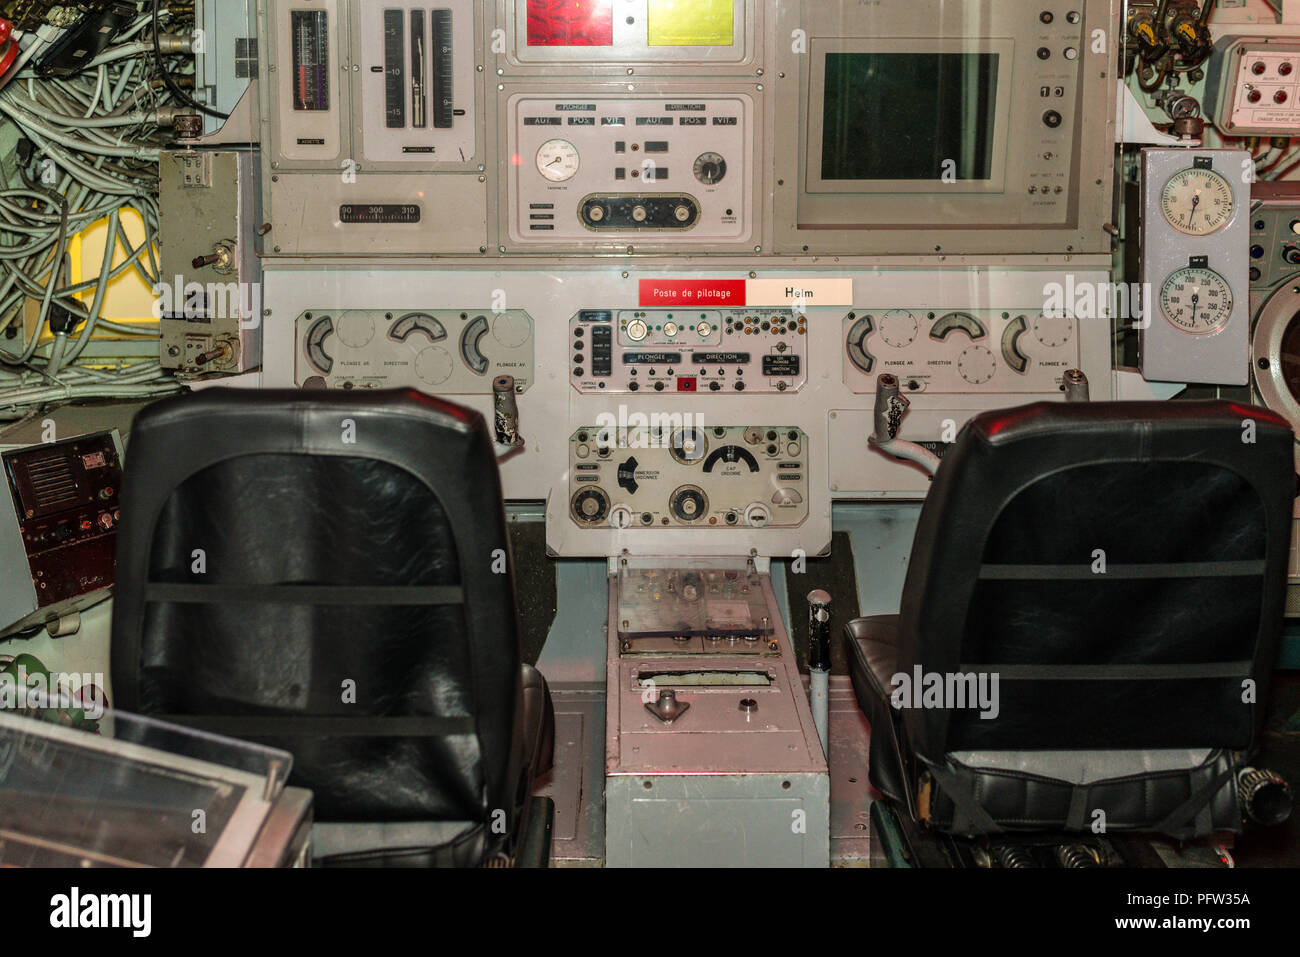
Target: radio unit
58 529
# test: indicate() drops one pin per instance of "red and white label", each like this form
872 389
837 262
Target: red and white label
724 293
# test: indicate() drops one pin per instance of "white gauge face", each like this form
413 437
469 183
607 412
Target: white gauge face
1197 202
557 160
1053 331
1196 300
977 365
898 328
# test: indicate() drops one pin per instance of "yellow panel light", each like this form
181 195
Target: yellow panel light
692 23
129 298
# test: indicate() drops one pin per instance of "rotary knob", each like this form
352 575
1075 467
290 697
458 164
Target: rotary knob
637 330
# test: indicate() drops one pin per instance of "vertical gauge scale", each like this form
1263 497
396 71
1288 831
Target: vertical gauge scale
311 66
394 70
1197 201
444 100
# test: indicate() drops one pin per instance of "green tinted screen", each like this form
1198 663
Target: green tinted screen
900 116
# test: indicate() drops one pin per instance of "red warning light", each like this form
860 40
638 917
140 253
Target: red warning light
570 23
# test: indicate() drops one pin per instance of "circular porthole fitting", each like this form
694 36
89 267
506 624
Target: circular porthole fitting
1275 354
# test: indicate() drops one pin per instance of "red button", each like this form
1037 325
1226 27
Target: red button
686 385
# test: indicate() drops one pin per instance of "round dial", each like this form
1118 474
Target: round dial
557 160
590 505
710 168
977 365
1197 201
433 365
688 446
355 331
898 328
1196 300
1053 331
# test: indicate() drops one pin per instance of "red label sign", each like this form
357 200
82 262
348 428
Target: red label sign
693 292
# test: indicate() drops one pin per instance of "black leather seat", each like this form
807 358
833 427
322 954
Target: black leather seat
1121 568
329 573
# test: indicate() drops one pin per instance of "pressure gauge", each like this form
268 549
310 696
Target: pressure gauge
557 160
1197 201
1197 300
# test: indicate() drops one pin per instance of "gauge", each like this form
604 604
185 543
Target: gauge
710 168
977 365
589 506
1053 331
858 353
1196 300
557 160
688 446
511 329
689 504
898 328
355 331
434 365
1197 201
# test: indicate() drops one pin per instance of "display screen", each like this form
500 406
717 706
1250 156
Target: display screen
909 116
691 23
570 23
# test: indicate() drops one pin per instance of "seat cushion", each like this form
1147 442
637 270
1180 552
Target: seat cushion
873 654
1185 792
539 722
873 661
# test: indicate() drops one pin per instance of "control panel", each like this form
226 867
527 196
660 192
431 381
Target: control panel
630 168
693 611
1274 234
448 351
650 475
715 351
1252 86
960 351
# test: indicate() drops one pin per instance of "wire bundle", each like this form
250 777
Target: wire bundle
88 148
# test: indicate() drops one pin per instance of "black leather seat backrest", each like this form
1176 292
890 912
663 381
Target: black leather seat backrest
1120 566
391 668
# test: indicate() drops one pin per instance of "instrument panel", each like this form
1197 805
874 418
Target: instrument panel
1195 237
630 168
645 476
970 350
457 352
723 352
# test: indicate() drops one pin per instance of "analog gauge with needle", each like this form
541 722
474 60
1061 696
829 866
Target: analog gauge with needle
557 160
1196 300
1197 201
